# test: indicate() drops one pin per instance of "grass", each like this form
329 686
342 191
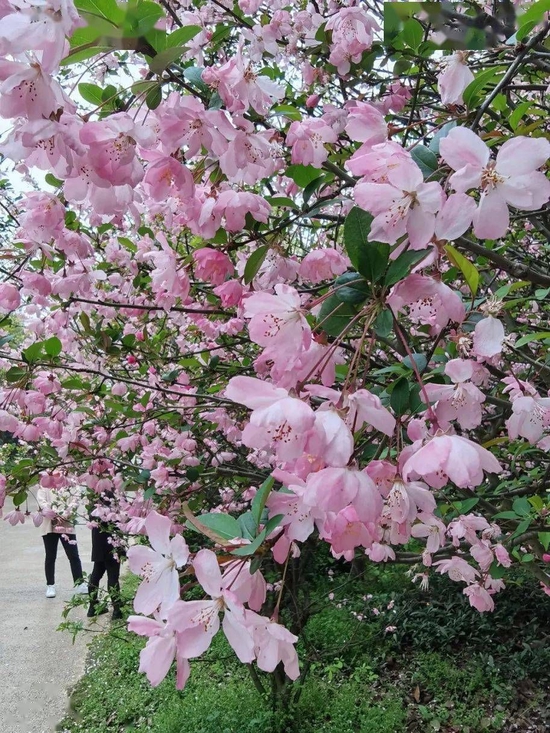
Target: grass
443 667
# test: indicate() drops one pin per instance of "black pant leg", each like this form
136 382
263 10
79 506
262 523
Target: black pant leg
50 546
98 571
113 575
71 550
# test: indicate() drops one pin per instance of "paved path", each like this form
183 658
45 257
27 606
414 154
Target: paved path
37 663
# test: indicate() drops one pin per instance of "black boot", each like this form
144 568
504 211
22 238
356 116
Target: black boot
117 613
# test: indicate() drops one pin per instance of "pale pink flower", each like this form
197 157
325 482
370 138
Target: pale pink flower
158 565
197 622
278 320
403 205
479 598
488 337
308 139
157 656
365 407
332 489
9 297
530 416
15 517
461 401
454 79
352 34
455 216
273 644
323 264
212 265
277 421
345 531
366 124
167 177
26 91
430 302
451 458
230 293
512 179
457 569
431 528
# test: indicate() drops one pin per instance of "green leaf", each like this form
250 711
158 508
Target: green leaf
52 346
91 93
182 35
15 374
413 33
368 258
164 58
474 91
154 97
536 12
302 175
272 523
223 525
399 398
506 515
289 111
193 74
351 288
532 337
282 201
143 476
260 498
383 324
522 527
33 352
497 571
467 505
335 316
402 265
544 539
254 262
19 498
51 180
470 272
419 360
425 159
252 547
248 526
521 506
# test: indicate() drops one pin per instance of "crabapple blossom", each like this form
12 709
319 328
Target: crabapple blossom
157 565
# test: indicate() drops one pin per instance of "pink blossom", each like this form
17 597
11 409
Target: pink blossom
455 216
230 293
451 458
308 139
352 34
430 302
26 91
457 569
273 644
9 297
488 337
158 565
512 179
366 124
454 79
157 656
240 87
277 420
365 407
323 264
278 320
332 489
431 528
461 401
166 177
479 598
403 205
15 517
212 265
530 416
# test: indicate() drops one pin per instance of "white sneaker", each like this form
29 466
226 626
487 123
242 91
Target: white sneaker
82 589
50 591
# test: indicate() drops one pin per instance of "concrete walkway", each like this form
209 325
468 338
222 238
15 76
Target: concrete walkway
37 663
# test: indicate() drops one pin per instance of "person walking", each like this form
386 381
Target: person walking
106 559
57 507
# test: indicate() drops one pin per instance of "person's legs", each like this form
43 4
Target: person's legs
113 575
50 546
98 571
71 550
